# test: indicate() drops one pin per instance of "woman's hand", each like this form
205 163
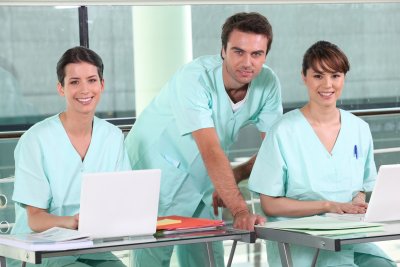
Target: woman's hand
72 222
39 220
342 208
359 202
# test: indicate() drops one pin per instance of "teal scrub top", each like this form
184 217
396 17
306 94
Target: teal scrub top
195 98
293 163
48 173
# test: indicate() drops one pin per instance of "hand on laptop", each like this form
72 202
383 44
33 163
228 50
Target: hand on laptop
73 222
343 208
360 204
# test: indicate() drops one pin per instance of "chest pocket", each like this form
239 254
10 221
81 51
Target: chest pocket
357 167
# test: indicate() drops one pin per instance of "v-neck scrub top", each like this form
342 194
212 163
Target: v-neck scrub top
48 172
195 98
293 163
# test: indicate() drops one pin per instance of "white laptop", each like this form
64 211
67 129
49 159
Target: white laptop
383 205
118 204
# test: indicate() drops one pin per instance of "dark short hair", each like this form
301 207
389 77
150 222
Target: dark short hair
328 56
249 23
76 55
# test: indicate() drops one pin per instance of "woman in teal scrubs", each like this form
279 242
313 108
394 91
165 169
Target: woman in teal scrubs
308 164
52 155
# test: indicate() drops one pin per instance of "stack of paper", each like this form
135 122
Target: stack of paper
186 224
321 226
55 238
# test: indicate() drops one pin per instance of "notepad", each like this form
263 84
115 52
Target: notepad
317 225
55 238
167 222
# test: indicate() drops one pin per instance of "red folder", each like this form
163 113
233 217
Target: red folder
188 223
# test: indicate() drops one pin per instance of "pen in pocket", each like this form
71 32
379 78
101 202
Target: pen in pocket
355 151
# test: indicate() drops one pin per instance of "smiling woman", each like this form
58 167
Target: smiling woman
51 156
306 165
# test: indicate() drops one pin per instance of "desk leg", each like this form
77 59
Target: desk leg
208 254
23 264
2 261
284 252
314 261
232 253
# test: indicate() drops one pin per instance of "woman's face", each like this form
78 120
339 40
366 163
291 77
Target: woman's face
82 87
324 88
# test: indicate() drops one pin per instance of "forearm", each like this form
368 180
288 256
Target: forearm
221 175
287 207
39 221
361 199
242 172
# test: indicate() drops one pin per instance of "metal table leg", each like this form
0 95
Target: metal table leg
284 252
314 261
2 261
232 253
208 254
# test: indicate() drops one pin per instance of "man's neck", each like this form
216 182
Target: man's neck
237 95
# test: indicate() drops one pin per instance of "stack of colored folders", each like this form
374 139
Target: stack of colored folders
179 224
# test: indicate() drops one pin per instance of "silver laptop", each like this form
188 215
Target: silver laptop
385 197
117 204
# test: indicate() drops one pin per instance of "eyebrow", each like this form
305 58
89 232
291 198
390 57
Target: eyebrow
77 78
236 48
315 71
258 51
318 72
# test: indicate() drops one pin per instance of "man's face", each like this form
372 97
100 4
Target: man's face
243 59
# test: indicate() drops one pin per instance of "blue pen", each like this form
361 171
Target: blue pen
355 151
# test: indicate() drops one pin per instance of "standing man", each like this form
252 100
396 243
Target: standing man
188 127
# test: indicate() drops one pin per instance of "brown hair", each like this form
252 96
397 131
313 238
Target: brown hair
247 22
328 56
79 54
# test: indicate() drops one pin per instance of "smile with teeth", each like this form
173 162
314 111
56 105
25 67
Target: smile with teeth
326 94
85 100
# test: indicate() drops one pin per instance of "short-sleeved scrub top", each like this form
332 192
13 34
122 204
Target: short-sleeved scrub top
48 173
195 98
293 163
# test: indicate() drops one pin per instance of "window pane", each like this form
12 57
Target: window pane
32 41
367 33
110 35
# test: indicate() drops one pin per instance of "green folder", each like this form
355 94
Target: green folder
321 226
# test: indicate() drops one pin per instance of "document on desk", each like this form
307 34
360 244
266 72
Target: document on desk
321 226
187 224
167 222
55 238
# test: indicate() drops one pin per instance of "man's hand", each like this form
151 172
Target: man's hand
246 221
217 202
